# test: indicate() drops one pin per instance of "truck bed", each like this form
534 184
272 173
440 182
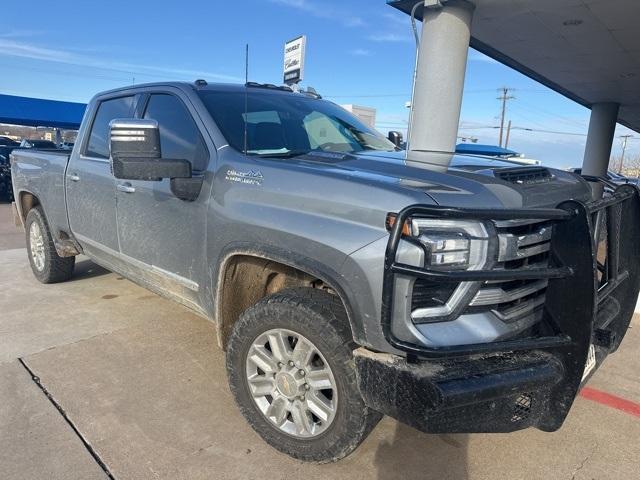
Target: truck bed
42 173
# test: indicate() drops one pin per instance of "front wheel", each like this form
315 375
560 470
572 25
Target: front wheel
291 371
46 264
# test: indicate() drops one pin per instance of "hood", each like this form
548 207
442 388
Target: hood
469 180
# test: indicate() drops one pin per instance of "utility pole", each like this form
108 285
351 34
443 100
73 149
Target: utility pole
504 97
506 141
625 139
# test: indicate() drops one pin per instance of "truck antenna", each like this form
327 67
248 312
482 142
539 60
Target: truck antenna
246 94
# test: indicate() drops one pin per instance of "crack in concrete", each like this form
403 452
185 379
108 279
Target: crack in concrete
60 410
584 462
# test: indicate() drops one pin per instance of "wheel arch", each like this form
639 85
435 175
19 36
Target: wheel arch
278 270
26 201
65 245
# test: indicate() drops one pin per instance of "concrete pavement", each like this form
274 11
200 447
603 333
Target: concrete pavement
35 440
142 382
10 236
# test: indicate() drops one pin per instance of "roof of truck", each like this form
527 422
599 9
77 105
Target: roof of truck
230 87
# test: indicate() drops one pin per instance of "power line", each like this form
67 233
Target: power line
527 129
543 111
549 131
480 127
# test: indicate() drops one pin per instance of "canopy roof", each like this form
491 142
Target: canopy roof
587 50
37 112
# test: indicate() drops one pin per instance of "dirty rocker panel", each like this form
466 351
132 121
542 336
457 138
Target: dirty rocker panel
531 380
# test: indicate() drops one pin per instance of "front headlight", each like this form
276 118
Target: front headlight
448 245
452 244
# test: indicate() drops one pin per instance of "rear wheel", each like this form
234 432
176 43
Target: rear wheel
291 370
46 264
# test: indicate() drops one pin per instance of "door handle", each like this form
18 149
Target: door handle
126 187
73 177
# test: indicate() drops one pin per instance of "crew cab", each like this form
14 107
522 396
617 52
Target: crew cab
345 279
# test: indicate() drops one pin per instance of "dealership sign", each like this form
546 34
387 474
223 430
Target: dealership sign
294 60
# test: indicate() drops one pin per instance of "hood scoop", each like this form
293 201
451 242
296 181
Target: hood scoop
521 175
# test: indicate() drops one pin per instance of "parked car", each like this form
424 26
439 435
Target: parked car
6 147
66 145
612 177
33 143
344 281
6 188
8 142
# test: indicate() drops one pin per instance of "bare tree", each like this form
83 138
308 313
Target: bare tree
631 167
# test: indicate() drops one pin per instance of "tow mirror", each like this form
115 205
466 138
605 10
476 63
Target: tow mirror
136 155
395 138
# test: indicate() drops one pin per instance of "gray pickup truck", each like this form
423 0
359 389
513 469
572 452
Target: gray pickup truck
345 281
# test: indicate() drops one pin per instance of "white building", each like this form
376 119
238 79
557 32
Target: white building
367 115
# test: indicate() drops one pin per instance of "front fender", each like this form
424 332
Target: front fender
327 272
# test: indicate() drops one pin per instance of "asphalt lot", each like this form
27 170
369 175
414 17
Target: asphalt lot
135 382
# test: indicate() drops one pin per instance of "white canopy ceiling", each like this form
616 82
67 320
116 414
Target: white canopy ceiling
588 50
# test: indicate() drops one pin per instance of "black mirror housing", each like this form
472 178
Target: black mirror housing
395 138
150 169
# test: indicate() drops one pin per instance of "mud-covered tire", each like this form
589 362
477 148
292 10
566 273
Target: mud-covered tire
319 317
51 268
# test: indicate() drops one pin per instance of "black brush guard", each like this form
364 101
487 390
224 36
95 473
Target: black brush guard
509 385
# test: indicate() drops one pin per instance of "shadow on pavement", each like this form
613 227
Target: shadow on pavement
85 269
412 454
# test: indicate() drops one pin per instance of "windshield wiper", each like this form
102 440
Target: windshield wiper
289 154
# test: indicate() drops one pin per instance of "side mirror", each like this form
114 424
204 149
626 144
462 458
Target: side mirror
135 152
395 138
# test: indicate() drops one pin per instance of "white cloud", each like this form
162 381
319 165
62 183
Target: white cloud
360 52
20 33
390 37
397 17
322 10
13 48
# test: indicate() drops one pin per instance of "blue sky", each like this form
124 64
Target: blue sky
360 52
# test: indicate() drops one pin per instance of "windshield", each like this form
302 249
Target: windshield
289 124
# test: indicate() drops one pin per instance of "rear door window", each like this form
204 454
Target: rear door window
98 144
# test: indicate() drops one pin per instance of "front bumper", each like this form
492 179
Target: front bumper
528 381
498 393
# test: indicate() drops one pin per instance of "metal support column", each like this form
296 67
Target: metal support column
442 63
597 153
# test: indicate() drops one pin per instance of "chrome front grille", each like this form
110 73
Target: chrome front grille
493 295
515 247
522 244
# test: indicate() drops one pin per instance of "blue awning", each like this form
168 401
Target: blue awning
38 112
488 150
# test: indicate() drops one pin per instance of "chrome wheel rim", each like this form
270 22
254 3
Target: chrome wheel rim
291 383
36 244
